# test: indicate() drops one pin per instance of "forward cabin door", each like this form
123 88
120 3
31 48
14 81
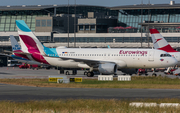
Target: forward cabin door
177 56
151 56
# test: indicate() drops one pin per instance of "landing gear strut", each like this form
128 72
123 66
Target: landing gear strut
90 74
154 74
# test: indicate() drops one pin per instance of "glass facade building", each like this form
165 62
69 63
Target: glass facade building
128 16
111 39
134 17
9 14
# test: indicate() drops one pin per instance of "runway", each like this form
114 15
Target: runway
25 93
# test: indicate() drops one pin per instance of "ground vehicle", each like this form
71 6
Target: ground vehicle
169 70
23 65
142 71
160 69
13 63
34 66
176 72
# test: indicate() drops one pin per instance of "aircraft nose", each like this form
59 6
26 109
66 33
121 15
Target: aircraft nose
173 61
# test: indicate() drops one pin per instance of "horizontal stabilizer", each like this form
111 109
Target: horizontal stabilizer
17 52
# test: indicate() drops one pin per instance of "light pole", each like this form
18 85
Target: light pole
75 24
68 23
141 20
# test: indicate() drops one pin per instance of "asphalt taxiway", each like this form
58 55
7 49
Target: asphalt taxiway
25 93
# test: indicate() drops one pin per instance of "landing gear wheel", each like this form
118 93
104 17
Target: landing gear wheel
85 73
67 72
90 74
154 74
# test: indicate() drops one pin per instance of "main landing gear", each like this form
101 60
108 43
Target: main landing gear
90 74
154 74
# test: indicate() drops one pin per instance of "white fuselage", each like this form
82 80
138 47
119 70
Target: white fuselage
177 56
124 58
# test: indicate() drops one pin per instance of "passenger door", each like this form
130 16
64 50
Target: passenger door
151 56
177 56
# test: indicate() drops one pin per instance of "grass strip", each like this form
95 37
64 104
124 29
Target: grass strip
86 106
136 82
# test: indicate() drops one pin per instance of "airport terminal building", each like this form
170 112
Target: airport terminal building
93 26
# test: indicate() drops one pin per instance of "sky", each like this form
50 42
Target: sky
108 3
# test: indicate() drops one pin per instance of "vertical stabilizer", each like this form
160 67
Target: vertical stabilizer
28 40
14 43
30 43
159 42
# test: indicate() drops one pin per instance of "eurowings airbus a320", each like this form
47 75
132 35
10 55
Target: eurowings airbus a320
106 61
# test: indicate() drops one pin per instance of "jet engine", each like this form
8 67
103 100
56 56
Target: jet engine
129 71
107 68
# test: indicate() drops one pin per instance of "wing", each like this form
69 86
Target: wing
89 62
23 53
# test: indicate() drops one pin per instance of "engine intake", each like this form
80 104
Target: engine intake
107 68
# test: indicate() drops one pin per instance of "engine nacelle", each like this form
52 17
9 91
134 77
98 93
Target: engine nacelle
129 71
107 68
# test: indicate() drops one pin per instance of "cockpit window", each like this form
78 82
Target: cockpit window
165 55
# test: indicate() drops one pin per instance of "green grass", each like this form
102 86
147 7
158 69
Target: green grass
85 106
136 82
